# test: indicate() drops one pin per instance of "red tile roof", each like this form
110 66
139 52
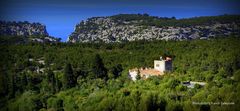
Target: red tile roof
147 71
152 72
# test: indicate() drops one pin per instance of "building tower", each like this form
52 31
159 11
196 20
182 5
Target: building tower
163 65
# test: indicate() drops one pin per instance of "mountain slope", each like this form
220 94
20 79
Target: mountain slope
131 27
24 32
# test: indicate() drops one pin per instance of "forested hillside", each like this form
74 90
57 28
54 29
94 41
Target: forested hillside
94 76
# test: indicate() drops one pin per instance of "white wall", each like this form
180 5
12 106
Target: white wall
161 66
133 75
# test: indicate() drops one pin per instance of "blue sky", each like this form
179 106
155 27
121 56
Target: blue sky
61 16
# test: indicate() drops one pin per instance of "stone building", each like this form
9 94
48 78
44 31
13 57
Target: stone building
163 65
160 67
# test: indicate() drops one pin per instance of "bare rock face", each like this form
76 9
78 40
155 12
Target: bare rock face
131 27
24 32
22 28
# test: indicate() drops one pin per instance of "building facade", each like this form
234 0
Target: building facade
163 65
160 67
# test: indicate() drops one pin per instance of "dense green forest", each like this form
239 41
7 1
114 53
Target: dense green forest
146 20
94 76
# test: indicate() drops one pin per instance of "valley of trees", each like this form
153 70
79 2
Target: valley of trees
94 76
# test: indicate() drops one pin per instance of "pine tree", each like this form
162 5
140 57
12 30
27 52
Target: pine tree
98 68
68 79
52 80
24 81
3 83
116 70
58 85
12 85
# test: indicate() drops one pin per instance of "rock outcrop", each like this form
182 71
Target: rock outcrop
24 32
131 27
22 28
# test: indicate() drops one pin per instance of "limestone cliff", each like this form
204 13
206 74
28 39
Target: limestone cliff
131 27
24 32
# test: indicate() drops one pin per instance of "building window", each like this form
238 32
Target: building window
157 65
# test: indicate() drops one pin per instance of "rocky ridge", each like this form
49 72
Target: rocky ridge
131 27
28 32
